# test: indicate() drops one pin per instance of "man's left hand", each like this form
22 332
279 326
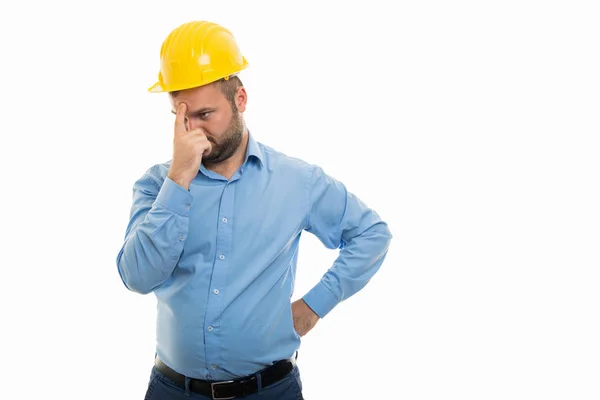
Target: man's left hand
304 317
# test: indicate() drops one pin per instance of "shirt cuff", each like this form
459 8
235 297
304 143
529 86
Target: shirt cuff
174 198
320 300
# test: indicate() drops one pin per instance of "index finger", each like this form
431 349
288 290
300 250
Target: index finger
180 118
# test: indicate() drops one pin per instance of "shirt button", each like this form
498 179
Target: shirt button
181 238
210 328
214 367
216 291
187 206
222 257
224 220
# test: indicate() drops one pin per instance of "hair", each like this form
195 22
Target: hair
228 87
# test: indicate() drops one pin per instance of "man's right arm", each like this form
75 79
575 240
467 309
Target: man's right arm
155 235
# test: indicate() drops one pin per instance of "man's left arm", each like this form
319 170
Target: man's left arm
341 220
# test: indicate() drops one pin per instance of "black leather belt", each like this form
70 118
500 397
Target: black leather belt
227 390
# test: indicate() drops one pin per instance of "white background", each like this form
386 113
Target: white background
470 126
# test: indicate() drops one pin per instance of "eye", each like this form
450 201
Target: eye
203 115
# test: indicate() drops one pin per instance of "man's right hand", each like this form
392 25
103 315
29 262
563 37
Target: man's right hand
188 149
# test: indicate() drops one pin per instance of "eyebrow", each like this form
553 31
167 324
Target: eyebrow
196 112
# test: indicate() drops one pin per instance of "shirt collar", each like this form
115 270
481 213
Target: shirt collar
254 150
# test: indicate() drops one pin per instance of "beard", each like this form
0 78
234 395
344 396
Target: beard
229 143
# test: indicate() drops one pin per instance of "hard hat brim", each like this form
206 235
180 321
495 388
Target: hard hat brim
156 88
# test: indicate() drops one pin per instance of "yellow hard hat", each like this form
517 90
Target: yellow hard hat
196 54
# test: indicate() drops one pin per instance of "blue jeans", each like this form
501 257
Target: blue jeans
162 388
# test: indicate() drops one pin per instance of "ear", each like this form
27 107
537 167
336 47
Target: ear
241 99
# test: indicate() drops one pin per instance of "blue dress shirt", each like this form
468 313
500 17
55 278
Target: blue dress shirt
221 258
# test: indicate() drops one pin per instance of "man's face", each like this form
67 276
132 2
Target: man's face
209 109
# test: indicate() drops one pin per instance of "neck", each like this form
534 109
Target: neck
228 167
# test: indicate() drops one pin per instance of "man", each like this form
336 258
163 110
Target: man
214 234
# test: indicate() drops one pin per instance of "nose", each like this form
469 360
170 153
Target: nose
193 123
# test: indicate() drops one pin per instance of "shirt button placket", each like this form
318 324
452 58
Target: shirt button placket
223 246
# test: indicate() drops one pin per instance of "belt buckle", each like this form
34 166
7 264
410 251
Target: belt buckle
212 389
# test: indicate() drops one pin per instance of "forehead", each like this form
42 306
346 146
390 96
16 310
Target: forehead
203 96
